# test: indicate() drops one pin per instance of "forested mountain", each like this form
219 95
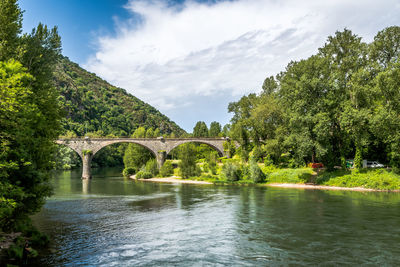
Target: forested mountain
95 106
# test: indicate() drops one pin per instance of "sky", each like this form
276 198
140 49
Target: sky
190 59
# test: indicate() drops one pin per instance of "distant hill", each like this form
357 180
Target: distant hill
93 105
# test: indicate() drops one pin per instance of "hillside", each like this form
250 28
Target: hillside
93 105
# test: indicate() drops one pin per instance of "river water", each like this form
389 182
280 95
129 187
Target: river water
112 221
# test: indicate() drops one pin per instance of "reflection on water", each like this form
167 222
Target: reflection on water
112 221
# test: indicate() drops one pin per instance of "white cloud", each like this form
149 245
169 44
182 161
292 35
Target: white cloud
179 54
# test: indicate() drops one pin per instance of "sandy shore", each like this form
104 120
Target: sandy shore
172 179
325 187
175 179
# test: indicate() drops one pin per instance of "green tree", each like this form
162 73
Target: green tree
11 26
140 132
215 129
150 133
136 156
200 129
187 165
385 49
166 169
226 130
30 112
255 173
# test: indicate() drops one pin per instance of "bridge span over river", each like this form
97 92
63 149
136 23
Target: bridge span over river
160 147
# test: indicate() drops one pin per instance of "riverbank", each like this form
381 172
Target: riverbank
326 187
172 179
176 179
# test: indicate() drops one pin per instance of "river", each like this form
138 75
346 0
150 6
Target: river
114 221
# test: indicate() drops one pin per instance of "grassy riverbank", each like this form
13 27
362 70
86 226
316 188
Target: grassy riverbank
375 179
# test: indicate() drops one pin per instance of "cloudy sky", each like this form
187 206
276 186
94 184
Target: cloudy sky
190 59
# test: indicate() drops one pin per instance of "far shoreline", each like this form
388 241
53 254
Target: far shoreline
176 179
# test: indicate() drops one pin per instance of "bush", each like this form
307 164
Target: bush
152 167
128 171
144 175
255 173
167 169
245 171
231 172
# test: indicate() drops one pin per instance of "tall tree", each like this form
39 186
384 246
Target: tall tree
385 49
11 26
215 129
28 145
200 129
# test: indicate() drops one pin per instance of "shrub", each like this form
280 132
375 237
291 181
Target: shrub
144 175
128 171
152 167
245 171
255 173
231 172
167 169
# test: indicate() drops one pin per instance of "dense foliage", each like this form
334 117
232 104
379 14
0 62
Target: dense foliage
93 105
95 108
29 117
342 103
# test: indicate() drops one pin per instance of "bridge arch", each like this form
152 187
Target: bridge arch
136 142
217 147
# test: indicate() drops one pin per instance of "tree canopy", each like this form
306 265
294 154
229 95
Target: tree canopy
29 114
341 103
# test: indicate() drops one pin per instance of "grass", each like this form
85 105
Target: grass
291 176
381 179
367 178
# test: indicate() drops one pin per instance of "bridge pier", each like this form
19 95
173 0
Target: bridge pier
161 155
86 165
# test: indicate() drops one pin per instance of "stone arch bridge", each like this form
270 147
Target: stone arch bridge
160 147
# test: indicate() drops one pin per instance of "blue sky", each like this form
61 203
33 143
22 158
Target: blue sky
190 59
79 22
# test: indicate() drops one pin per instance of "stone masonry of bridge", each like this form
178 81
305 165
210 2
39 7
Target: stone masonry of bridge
160 147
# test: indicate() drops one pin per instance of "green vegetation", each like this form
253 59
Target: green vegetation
29 120
128 171
231 172
341 103
94 106
167 169
187 166
294 176
374 179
